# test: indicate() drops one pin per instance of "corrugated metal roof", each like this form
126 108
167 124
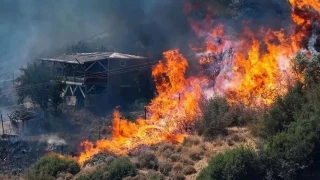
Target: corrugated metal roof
81 58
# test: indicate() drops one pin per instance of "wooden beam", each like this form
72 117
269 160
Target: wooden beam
74 90
71 90
90 66
90 89
103 66
83 94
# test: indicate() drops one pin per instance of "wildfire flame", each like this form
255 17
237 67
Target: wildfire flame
252 68
176 105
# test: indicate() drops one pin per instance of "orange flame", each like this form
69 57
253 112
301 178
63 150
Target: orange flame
253 68
262 75
314 4
177 104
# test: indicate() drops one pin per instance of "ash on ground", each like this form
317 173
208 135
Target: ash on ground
16 154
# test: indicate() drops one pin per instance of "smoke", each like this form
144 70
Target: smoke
34 28
53 140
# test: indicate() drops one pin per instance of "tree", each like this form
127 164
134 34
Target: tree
283 111
80 47
294 154
36 83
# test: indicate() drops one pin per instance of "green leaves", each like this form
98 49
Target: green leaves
38 83
239 163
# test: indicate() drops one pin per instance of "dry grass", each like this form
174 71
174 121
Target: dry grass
186 160
165 168
188 170
175 157
148 160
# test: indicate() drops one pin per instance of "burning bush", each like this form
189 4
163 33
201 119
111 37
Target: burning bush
48 167
217 115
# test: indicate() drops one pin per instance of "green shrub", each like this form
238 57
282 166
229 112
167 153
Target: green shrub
295 154
48 167
154 175
95 175
217 115
283 111
116 170
239 163
120 168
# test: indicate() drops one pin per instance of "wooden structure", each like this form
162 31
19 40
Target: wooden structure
98 79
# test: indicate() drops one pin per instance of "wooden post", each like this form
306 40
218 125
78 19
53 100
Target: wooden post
145 113
2 125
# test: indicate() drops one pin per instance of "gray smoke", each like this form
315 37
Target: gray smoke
33 28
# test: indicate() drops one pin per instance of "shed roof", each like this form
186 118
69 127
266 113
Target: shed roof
80 58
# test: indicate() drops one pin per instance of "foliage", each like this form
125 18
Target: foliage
154 175
35 83
309 67
55 96
48 167
294 154
95 175
283 111
239 163
217 115
117 169
120 168
291 128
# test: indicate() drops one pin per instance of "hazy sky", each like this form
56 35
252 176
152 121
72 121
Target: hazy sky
33 28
